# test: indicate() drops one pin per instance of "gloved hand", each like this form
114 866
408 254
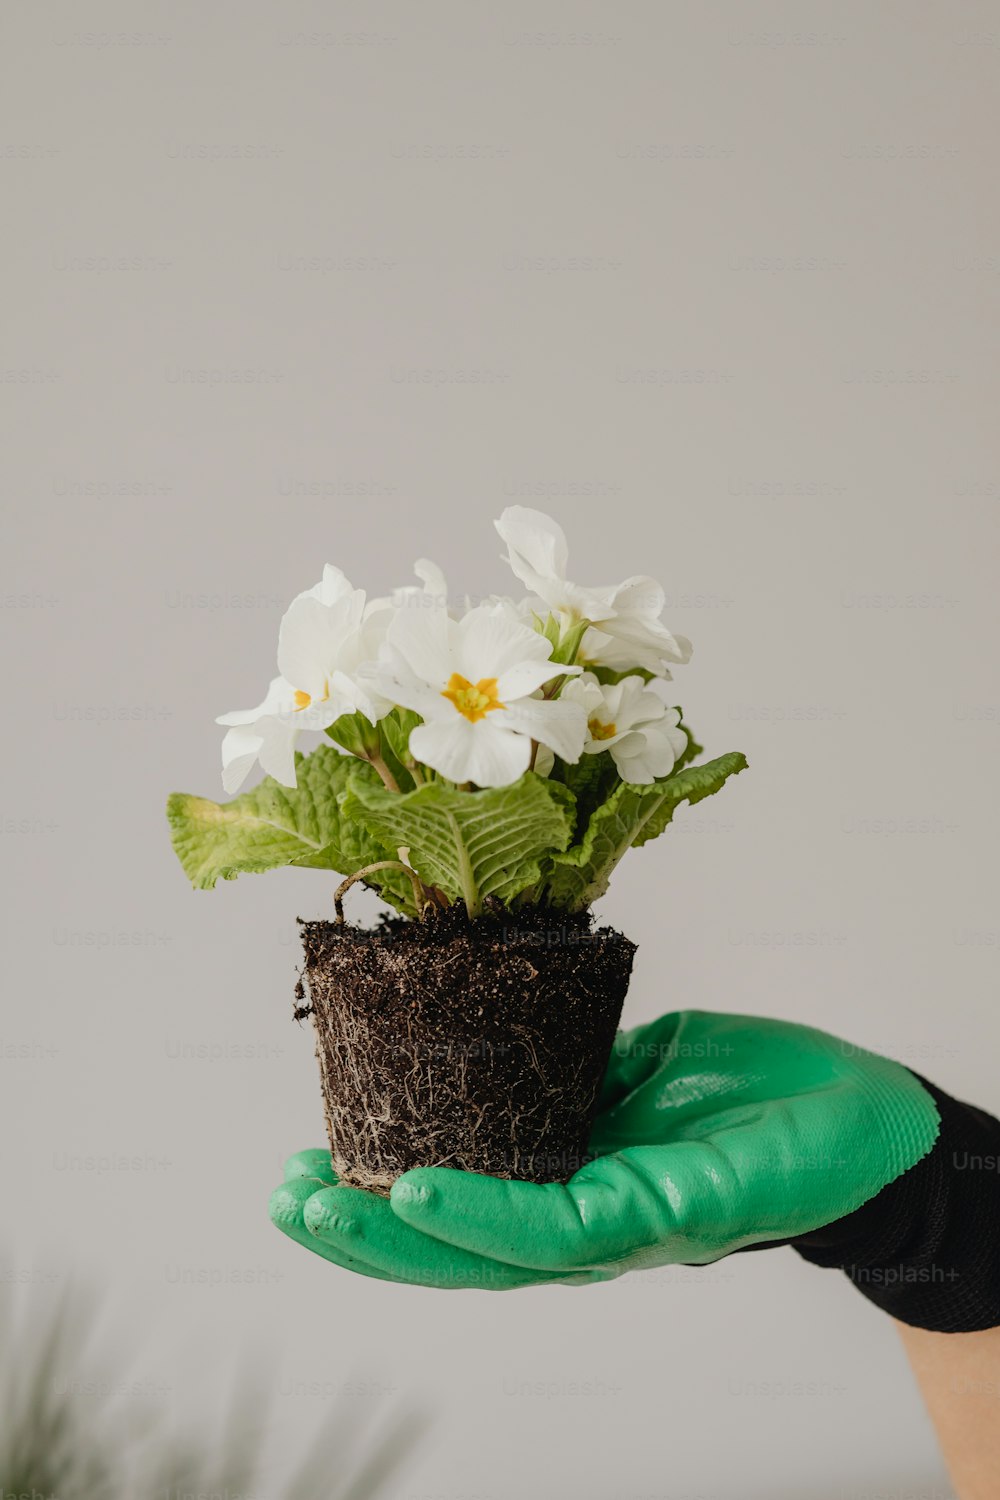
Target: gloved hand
715 1133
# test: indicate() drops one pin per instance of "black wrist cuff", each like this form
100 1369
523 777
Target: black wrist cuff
926 1249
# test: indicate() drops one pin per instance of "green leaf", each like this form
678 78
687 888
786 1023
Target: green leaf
693 748
607 676
469 844
396 728
568 645
356 734
273 826
549 627
591 780
631 816
383 742
691 785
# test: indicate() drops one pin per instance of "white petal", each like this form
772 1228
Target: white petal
642 757
586 691
242 715
311 638
588 603
499 757
445 747
332 587
640 596
677 738
651 706
391 680
526 678
633 705
536 546
240 747
640 649
647 637
490 642
594 747
471 752
560 724
659 756
613 693
430 576
631 768
434 591
367 642
349 695
277 751
422 638
280 696
526 610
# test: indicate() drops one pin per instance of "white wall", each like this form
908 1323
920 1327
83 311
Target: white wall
790 220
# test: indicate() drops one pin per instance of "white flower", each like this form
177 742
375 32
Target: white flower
630 632
431 594
538 555
327 633
267 734
475 682
631 722
324 637
635 636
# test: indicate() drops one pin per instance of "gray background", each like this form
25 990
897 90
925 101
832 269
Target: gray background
716 285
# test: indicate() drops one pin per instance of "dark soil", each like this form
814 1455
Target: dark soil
478 1045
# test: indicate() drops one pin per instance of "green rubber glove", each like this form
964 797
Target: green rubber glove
715 1132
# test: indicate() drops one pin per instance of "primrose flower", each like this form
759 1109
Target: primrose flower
635 636
538 554
630 632
324 637
475 683
632 723
265 734
432 593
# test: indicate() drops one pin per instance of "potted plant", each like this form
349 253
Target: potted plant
483 767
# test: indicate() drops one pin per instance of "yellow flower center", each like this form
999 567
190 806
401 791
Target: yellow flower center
599 731
303 699
473 699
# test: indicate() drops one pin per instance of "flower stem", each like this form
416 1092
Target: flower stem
388 780
419 893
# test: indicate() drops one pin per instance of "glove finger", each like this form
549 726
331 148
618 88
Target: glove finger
691 1202
363 1227
314 1162
287 1209
604 1220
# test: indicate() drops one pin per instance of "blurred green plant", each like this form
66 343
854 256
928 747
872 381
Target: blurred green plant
73 1426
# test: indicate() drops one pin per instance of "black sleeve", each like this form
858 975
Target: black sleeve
926 1249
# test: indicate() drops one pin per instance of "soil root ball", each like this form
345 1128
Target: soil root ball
479 1045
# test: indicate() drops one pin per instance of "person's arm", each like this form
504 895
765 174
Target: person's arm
959 1378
